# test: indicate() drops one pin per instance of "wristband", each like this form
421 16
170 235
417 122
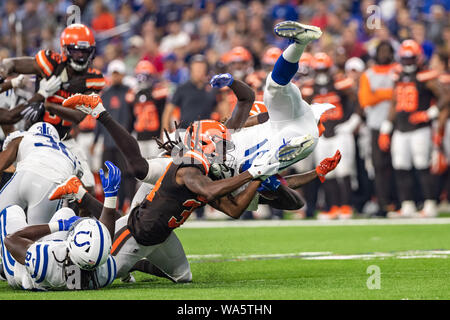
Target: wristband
386 127
110 202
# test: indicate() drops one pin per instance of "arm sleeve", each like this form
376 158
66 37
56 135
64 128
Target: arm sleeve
367 97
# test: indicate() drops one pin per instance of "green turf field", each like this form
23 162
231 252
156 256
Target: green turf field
295 262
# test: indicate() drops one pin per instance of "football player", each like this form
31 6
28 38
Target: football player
42 162
63 74
148 106
409 122
339 124
69 252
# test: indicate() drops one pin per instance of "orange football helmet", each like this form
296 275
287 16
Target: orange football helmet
321 61
238 54
78 45
210 137
271 56
409 48
145 67
411 55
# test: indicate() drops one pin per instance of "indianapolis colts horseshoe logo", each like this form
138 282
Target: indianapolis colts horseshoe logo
80 244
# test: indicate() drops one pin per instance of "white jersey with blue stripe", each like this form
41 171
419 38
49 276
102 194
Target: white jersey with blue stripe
46 268
45 156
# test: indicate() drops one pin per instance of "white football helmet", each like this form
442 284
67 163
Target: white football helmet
89 243
44 128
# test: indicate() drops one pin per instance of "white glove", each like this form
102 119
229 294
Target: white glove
47 87
18 82
265 165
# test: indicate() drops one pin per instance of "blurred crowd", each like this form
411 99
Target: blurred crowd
165 44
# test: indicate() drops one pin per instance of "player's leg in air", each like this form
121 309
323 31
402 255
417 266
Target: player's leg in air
292 119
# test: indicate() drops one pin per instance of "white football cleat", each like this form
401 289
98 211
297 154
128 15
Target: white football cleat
300 33
294 150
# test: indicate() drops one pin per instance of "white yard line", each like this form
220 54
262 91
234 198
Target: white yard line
311 223
414 254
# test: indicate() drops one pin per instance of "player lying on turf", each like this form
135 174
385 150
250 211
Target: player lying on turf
67 253
42 162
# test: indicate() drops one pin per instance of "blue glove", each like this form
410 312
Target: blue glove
270 184
221 80
65 225
111 184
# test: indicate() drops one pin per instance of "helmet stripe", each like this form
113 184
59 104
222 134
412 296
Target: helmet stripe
100 253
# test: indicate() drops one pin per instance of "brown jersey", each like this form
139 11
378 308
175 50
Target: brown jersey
168 205
332 93
90 80
148 106
411 95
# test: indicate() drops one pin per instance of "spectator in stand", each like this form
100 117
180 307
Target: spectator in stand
173 71
195 98
151 52
134 53
418 33
283 10
103 19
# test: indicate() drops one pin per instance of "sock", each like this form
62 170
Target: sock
287 64
293 52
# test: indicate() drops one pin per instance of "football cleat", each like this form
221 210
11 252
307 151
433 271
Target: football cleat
295 150
71 189
297 32
89 104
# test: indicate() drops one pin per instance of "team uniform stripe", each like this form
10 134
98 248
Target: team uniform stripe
102 244
8 260
192 154
43 62
44 264
123 235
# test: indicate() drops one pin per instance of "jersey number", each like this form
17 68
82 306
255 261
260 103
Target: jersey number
147 117
336 113
192 205
407 97
56 146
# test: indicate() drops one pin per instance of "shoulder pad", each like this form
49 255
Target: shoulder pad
47 61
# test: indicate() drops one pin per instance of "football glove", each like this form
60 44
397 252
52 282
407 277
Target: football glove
89 104
438 162
71 189
272 183
18 82
221 80
33 112
327 165
111 184
48 87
